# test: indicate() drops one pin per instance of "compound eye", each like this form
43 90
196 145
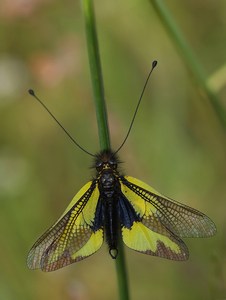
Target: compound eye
113 164
99 165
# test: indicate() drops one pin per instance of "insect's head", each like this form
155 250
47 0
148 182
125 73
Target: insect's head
106 160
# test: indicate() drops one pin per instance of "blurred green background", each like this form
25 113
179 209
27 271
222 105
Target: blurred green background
177 144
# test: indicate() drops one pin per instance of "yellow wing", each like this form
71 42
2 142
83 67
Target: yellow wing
72 238
162 222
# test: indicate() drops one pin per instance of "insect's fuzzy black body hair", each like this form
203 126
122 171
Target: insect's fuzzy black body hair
105 156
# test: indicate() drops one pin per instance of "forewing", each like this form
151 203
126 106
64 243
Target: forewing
158 212
71 238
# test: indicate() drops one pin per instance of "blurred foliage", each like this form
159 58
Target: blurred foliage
177 143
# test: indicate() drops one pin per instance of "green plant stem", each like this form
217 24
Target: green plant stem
189 58
98 89
96 74
121 273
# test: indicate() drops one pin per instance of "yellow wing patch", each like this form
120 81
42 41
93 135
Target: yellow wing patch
81 193
94 243
71 234
142 239
136 200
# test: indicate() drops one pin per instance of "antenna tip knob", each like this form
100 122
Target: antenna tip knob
31 92
154 63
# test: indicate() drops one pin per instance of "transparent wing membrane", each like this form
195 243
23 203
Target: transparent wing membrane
71 238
